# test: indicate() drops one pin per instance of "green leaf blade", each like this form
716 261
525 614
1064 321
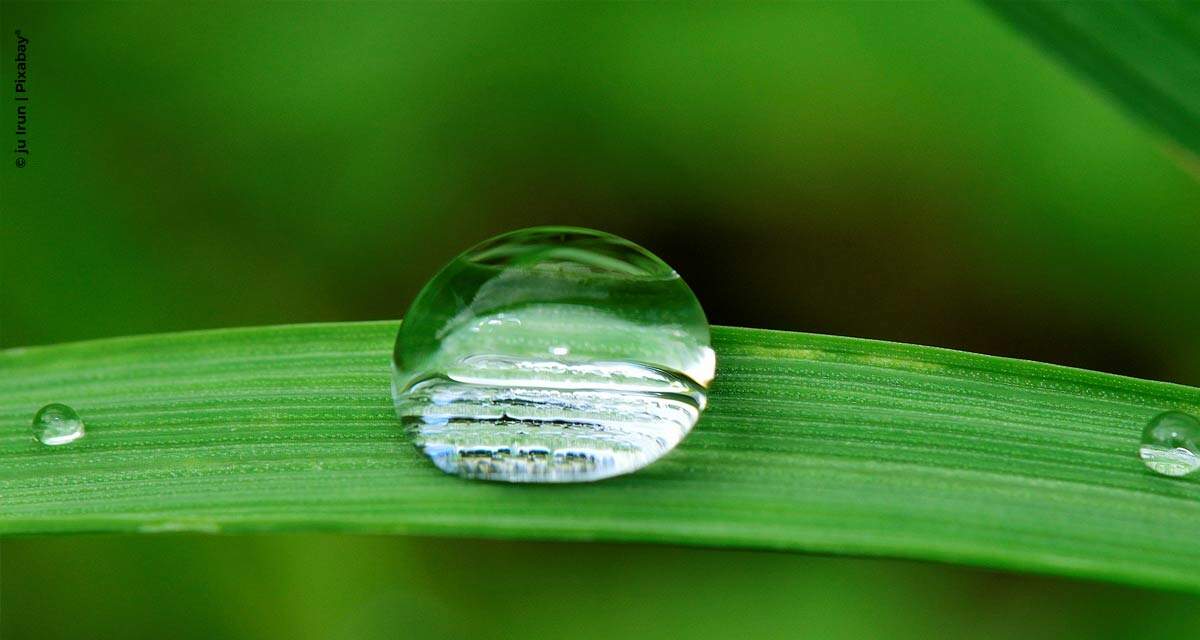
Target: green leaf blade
811 443
1146 54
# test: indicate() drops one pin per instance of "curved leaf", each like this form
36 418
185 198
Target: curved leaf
1147 54
812 443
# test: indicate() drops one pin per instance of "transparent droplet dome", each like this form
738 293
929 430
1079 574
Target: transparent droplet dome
56 424
1171 444
552 354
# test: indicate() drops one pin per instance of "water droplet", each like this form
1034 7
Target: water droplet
552 354
56 424
1171 444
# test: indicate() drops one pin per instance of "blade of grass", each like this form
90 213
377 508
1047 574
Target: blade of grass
812 443
1146 54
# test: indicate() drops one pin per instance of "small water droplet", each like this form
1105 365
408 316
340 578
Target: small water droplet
56 424
552 354
1171 444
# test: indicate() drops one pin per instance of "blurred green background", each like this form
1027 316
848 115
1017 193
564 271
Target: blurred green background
918 173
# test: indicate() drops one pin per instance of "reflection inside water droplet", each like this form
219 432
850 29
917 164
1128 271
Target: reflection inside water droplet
56 424
1171 444
552 355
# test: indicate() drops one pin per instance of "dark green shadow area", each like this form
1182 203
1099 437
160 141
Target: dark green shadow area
362 587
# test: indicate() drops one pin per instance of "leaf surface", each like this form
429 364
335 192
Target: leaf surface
810 443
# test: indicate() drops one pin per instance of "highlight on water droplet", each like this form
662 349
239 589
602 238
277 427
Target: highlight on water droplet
1171 444
56 424
552 354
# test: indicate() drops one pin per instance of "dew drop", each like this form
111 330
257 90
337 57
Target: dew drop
56 424
1171 444
552 354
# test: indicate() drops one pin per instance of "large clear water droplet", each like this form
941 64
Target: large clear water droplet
1171 444
552 354
56 424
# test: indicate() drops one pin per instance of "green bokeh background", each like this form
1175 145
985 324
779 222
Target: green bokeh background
918 173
